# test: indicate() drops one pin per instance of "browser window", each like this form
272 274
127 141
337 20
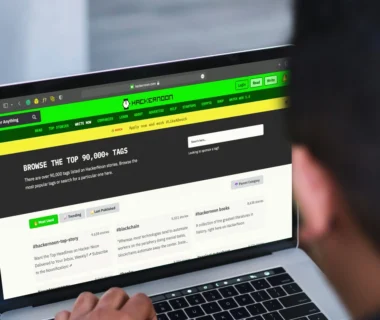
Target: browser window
129 182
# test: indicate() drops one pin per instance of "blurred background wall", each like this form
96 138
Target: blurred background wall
52 38
43 38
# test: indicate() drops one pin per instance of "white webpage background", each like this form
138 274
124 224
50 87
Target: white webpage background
152 210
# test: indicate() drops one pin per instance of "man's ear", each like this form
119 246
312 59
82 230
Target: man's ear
314 190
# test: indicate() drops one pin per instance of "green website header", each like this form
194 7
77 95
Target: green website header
139 101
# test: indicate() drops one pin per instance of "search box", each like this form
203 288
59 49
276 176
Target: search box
225 136
20 119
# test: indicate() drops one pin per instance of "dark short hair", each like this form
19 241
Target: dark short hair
335 98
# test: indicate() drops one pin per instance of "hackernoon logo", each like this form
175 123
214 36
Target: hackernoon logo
126 104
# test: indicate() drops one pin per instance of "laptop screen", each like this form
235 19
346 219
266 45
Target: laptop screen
122 177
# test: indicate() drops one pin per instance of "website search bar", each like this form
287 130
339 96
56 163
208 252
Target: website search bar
225 136
20 119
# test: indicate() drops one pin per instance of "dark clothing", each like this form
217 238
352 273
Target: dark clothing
374 317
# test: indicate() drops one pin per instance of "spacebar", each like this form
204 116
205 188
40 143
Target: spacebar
297 312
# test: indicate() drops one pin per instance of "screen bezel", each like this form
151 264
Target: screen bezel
136 73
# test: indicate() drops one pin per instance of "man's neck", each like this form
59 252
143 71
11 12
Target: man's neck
353 267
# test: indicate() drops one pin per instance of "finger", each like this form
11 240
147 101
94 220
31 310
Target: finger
139 307
114 298
64 315
85 303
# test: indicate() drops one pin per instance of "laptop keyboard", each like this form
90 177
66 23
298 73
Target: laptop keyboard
266 295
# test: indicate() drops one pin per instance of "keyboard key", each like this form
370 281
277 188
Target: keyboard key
162 307
177 315
272 305
244 300
260 296
294 300
227 304
206 318
178 303
205 287
256 309
260 284
162 317
238 280
189 291
173 295
244 288
211 307
228 292
239 313
279 270
292 288
194 312
157 298
280 279
318 316
223 316
195 299
300 311
212 295
255 318
276 292
273 316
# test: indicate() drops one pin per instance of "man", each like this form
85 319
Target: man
334 123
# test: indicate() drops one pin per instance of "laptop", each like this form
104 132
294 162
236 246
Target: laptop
171 179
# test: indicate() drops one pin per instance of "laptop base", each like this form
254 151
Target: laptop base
294 261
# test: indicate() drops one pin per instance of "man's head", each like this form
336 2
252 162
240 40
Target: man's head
334 123
334 117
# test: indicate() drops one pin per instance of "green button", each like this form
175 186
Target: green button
256 82
271 80
241 85
43 221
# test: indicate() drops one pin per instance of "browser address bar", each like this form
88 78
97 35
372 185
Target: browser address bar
144 85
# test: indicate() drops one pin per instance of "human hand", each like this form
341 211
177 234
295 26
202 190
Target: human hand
115 304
